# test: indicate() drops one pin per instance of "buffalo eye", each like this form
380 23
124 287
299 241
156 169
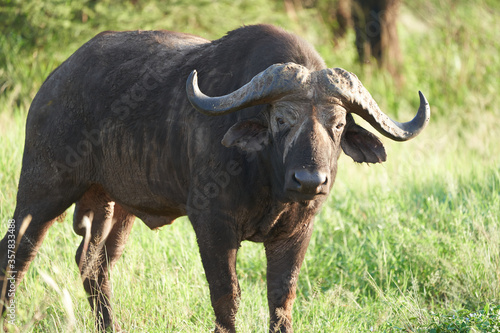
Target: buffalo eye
339 126
280 121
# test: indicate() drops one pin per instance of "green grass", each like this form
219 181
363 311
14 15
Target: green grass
408 246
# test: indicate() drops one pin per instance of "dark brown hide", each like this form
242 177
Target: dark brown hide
112 130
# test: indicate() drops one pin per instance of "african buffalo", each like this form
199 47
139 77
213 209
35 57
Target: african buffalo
116 130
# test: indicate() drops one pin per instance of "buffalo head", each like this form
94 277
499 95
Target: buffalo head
308 122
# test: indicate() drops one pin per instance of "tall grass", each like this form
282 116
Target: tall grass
408 246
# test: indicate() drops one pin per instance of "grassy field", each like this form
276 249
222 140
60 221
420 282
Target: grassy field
411 245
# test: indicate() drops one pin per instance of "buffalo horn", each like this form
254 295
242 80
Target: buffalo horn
273 83
358 100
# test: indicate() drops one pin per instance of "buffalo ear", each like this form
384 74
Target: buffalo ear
249 135
361 145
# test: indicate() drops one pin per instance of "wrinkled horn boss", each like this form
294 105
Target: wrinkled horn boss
280 80
269 85
346 86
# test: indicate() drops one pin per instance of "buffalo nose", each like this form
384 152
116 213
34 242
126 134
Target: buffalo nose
309 182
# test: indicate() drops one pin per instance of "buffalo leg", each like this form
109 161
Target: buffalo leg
284 259
219 245
39 204
110 226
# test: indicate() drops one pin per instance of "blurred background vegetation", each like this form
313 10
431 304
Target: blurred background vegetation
38 35
409 246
